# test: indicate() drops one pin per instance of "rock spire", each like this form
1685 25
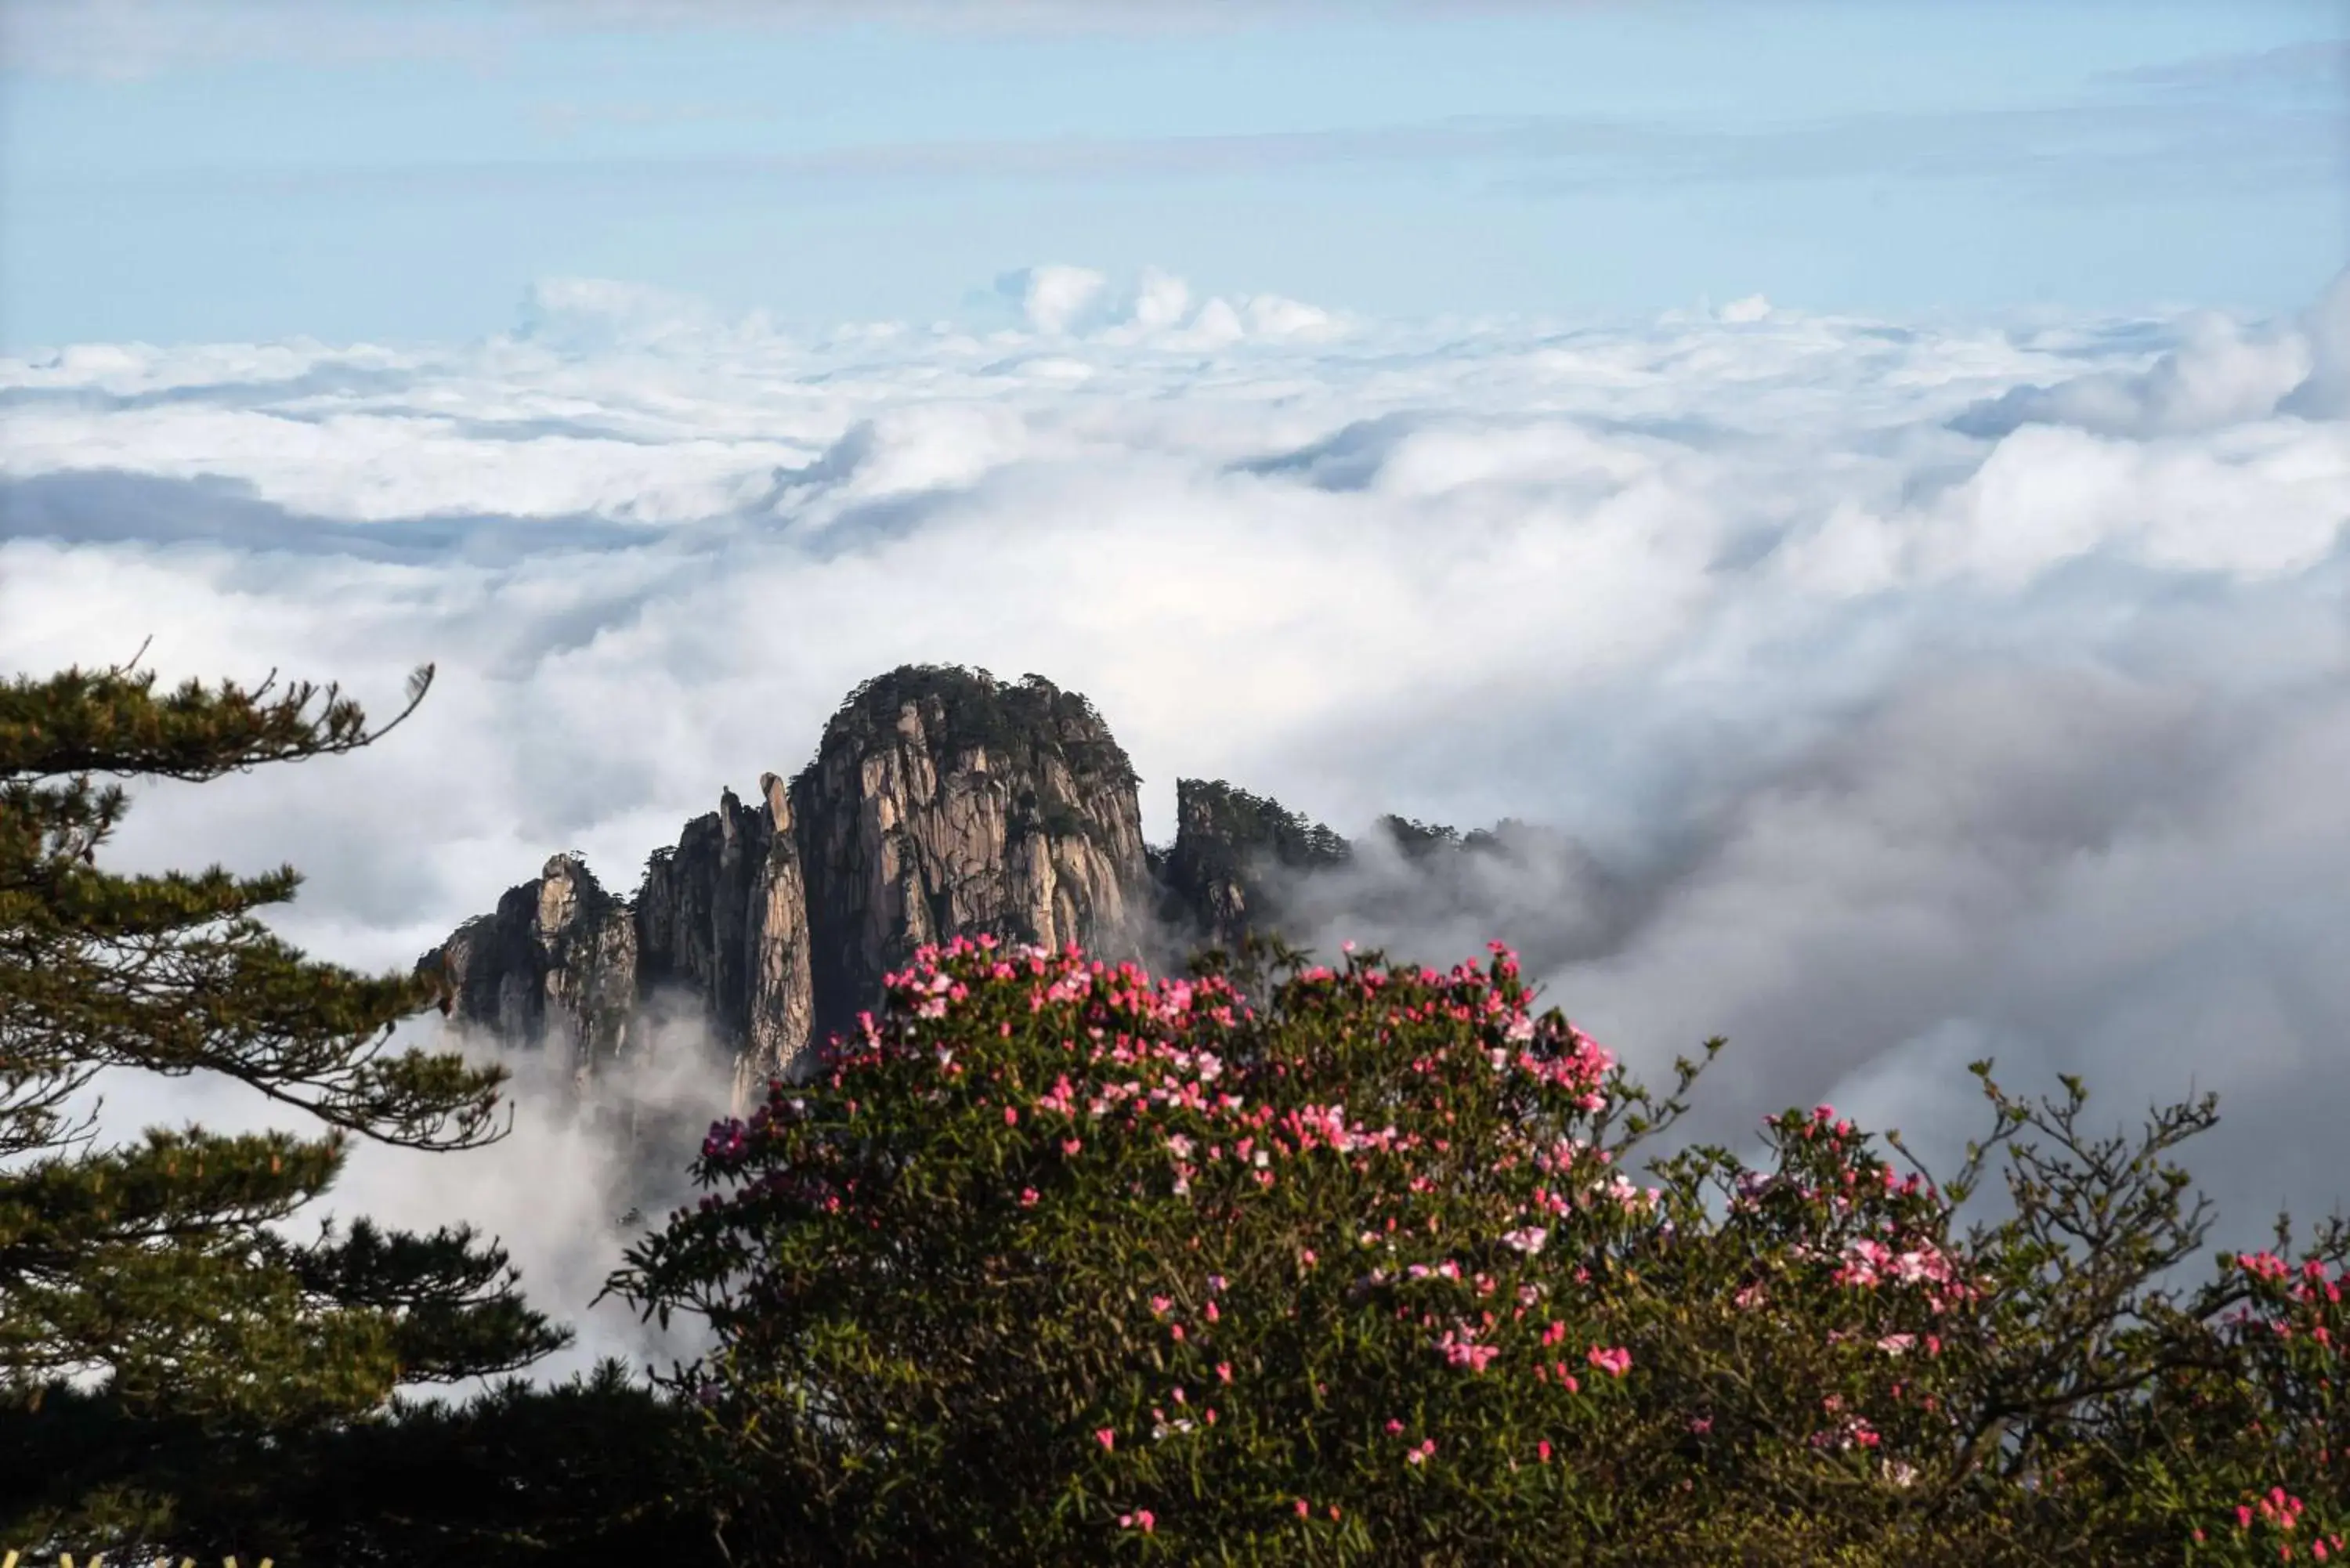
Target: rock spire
941 802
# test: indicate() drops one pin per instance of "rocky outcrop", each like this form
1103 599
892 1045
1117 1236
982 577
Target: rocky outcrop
941 802
779 1002
559 961
722 918
1222 877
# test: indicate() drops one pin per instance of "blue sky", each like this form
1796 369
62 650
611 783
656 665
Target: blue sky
210 170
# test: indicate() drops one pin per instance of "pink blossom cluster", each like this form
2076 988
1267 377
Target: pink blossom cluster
2311 1282
1472 1172
1851 1430
2293 1302
2282 1512
1849 1177
1869 1262
1614 1360
1459 1348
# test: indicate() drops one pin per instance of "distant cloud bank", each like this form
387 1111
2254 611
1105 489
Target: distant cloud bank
1884 692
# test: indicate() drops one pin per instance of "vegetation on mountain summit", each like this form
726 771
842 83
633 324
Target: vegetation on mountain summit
1013 720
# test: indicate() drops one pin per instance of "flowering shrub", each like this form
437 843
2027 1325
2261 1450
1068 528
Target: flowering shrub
1059 1264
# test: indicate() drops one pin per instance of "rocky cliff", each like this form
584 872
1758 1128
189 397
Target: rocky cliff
722 918
941 801
944 803
557 961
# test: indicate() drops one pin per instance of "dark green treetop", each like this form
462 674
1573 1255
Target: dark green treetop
157 1270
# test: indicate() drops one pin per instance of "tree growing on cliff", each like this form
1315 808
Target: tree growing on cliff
153 1272
1059 1265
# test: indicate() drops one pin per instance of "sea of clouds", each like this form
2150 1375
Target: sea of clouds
1883 693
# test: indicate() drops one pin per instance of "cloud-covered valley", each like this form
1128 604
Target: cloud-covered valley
1884 693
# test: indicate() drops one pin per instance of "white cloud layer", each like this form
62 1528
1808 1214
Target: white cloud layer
1057 301
1891 692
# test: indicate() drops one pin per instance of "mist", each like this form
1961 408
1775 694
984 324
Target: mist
581 1169
1878 693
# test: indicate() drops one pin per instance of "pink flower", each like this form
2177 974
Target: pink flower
1108 1438
1224 1370
1543 1448
1140 1519
1615 1362
1304 1508
1027 1198
1011 1117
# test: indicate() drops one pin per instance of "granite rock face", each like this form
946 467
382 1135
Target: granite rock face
557 961
945 802
942 803
722 920
779 1001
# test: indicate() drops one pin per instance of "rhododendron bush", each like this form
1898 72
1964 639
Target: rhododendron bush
1055 1262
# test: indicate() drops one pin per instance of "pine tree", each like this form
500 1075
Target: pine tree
157 1271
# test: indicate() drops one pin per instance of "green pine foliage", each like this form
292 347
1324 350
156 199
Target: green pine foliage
1417 840
155 1276
595 1469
